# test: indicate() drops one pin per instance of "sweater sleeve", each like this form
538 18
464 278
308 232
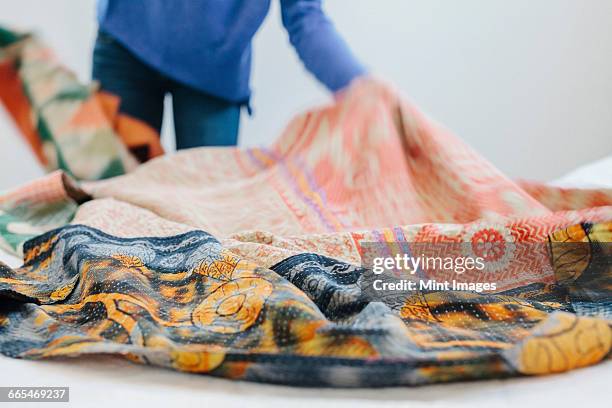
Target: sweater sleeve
318 44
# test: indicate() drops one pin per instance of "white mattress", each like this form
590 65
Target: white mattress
108 382
595 175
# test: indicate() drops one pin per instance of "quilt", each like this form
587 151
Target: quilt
69 126
253 264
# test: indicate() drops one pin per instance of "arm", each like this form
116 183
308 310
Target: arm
318 44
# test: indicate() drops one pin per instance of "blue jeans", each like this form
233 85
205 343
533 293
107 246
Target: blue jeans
199 119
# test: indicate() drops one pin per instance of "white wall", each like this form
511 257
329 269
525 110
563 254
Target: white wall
527 83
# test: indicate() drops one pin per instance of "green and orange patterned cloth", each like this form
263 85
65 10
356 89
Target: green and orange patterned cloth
247 263
69 126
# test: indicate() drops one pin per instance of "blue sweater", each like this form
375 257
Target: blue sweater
206 44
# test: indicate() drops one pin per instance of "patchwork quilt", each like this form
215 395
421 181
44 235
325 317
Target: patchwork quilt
249 263
68 125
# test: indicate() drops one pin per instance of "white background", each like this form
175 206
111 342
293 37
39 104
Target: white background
528 83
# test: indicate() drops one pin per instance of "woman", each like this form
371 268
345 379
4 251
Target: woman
199 51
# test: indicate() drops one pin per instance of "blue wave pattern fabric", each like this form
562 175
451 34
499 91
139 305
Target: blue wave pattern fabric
207 44
186 303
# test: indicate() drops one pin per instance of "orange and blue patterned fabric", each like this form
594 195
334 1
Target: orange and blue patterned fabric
186 303
247 263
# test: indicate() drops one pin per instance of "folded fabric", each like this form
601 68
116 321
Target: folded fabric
37 207
248 263
70 126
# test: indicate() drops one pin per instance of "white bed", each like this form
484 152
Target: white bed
108 382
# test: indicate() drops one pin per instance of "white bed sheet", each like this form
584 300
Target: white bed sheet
107 382
110 382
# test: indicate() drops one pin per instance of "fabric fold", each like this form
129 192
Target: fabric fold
251 263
